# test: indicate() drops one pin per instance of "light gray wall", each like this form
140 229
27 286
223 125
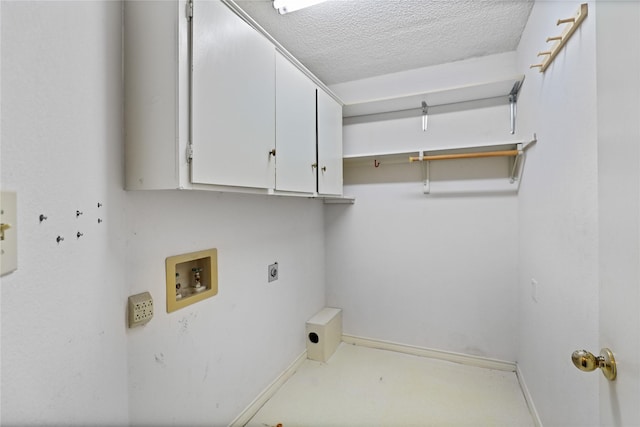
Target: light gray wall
68 357
64 353
558 219
213 358
435 271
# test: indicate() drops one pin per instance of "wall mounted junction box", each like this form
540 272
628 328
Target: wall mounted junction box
191 278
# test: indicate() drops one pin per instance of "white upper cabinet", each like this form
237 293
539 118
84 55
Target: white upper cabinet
296 164
329 145
233 105
214 103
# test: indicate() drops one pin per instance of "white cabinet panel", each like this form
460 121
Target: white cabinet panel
207 86
295 129
329 145
233 100
153 88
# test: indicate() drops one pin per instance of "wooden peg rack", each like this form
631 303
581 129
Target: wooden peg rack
573 24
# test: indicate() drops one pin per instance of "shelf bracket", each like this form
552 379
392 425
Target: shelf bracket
425 174
517 160
513 103
425 116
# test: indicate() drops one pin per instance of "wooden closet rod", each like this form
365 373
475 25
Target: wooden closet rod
504 153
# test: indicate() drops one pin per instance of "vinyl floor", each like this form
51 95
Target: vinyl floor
361 386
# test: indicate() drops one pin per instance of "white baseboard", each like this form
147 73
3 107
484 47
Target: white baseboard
465 359
253 408
527 397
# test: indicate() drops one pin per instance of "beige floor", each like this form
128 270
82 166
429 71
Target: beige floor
361 386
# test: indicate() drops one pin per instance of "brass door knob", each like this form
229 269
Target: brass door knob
586 361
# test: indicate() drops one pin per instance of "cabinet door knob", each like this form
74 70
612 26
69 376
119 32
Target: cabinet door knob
3 227
272 152
313 166
324 169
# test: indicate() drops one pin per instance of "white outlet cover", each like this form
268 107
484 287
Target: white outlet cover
9 246
140 309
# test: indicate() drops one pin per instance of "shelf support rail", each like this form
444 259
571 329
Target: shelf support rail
425 117
512 104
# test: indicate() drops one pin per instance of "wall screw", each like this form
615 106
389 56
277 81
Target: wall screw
78 213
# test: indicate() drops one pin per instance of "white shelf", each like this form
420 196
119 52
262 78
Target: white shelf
492 89
403 156
515 150
344 200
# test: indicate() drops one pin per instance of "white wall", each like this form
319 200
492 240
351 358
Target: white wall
204 364
558 219
437 272
63 335
68 357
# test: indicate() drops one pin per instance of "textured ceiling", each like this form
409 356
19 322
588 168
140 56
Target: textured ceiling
344 40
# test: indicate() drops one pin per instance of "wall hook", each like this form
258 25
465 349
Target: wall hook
560 41
376 163
99 204
79 235
78 213
59 239
42 217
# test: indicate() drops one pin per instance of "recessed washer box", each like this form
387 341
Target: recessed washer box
191 278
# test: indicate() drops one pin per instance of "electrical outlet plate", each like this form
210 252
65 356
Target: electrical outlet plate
273 272
140 309
9 224
191 278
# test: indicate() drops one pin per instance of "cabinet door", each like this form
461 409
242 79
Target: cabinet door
233 100
329 145
296 166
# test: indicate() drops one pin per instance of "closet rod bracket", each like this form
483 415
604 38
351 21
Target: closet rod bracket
426 187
